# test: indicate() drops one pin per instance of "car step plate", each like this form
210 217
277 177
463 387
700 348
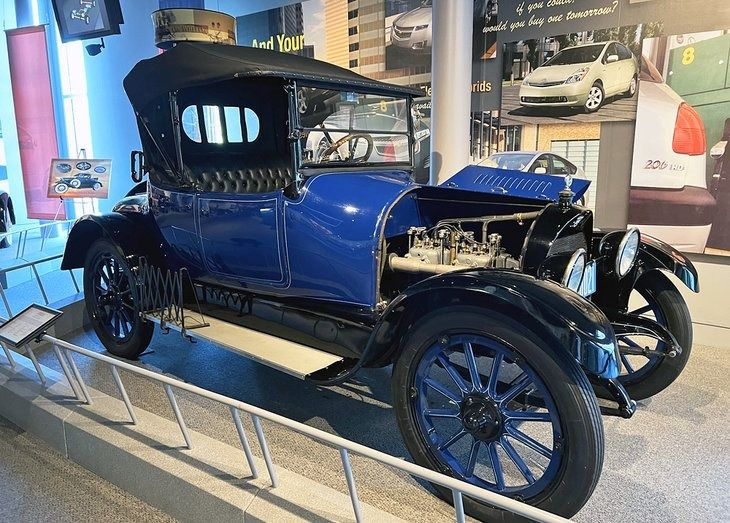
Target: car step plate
286 356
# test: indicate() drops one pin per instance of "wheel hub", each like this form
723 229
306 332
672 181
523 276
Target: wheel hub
480 417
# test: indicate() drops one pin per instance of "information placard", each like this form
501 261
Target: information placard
28 325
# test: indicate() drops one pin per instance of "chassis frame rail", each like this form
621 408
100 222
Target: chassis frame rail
64 352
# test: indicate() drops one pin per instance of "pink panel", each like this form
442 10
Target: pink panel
31 82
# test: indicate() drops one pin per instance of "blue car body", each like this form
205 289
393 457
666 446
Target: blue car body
323 243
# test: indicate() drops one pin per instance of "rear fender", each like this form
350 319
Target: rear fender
545 308
134 233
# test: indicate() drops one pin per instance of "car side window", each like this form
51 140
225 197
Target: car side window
623 52
562 167
611 49
542 161
222 125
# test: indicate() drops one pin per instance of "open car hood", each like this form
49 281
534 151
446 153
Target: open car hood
543 187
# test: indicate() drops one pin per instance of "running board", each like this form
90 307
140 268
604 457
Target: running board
293 358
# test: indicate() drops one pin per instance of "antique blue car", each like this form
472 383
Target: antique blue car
504 314
79 181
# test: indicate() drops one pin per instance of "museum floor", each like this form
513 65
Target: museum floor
666 464
38 484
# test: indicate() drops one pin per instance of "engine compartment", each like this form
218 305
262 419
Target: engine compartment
453 244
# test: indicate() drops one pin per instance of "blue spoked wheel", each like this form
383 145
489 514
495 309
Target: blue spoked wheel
655 298
481 399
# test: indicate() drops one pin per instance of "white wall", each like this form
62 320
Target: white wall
710 308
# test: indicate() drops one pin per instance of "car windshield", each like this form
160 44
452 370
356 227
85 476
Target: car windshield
516 162
576 55
352 129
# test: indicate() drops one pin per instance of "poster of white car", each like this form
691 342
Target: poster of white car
582 76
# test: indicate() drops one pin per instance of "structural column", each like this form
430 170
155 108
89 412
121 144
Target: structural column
451 87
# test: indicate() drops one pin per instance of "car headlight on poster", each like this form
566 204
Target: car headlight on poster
578 75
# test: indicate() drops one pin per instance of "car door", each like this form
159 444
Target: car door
627 69
239 202
241 236
612 71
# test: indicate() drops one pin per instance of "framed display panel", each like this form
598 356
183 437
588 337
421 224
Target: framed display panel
84 19
79 178
27 325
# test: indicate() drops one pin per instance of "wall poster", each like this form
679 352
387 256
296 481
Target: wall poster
562 86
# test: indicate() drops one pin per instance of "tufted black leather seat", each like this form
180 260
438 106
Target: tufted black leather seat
243 180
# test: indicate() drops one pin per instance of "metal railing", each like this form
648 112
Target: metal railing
37 276
64 351
44 235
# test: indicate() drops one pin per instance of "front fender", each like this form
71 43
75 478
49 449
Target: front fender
550 311
133 233
657 255
654 255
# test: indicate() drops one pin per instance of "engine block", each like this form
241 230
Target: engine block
448 248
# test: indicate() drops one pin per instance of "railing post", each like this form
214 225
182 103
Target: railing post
9 356
458 506
5 301
78 377
351 487
265 450
178 415
66 371
123 393
25 239
20 241
73 279
40 283
37 365
244 441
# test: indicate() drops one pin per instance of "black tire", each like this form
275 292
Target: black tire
596 98
582 427
124 333
656 288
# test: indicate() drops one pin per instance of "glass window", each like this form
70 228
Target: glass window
252 124
543 162
562 167
623 52
213 125
352 128
517 162
190 123
611 50
576 55
234 132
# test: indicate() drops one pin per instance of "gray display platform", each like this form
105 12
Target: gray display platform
148 460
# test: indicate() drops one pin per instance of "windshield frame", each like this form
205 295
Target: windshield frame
298 131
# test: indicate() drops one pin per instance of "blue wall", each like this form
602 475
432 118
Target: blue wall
113 127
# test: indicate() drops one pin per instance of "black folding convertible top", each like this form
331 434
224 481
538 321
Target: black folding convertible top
194 64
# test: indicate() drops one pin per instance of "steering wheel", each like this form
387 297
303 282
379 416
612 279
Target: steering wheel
329 151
